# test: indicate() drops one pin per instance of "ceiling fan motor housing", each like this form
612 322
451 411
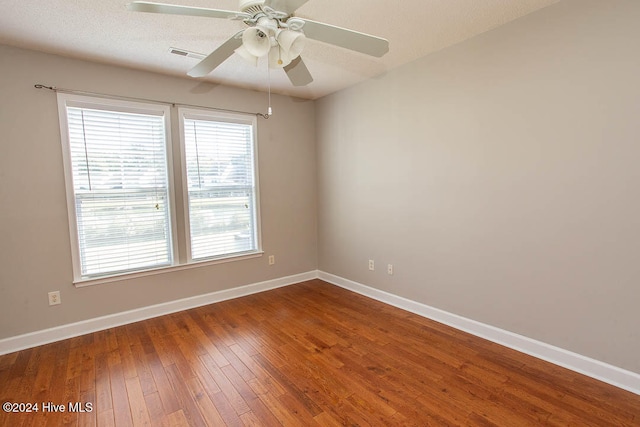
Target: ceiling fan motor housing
251 6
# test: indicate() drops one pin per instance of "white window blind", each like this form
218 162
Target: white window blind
219 160
120 189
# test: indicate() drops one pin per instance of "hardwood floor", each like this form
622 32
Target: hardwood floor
310 354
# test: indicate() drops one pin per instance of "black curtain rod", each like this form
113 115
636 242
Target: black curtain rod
129 98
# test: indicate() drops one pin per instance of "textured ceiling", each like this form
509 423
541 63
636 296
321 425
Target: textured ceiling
105 31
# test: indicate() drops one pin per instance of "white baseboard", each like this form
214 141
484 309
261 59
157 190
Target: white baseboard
610 374
33 339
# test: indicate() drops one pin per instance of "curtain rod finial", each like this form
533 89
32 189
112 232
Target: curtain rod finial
39 86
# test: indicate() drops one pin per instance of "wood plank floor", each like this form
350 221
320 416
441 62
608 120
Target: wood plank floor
310 354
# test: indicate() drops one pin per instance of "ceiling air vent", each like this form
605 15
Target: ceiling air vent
188 54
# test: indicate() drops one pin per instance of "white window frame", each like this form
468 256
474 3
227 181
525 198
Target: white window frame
81 101
212 115
180 232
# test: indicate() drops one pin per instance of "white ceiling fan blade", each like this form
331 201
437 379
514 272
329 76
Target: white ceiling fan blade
215 58
145 6
349 39
298 73
287 6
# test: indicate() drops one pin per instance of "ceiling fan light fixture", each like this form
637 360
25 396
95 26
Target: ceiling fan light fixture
245 54
292 42
256 41
289 45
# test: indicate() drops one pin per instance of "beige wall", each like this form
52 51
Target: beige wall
500 177
34 238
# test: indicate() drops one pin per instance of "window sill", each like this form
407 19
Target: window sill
81 283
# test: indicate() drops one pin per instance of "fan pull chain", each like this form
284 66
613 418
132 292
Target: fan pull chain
269 110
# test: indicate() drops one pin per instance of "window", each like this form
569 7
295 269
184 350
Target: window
218 157
116 162
120 188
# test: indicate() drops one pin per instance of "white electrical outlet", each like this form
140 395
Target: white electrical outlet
54 298
389 269
272 259
371 265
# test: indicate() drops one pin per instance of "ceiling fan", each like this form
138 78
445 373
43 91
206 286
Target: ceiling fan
272 32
